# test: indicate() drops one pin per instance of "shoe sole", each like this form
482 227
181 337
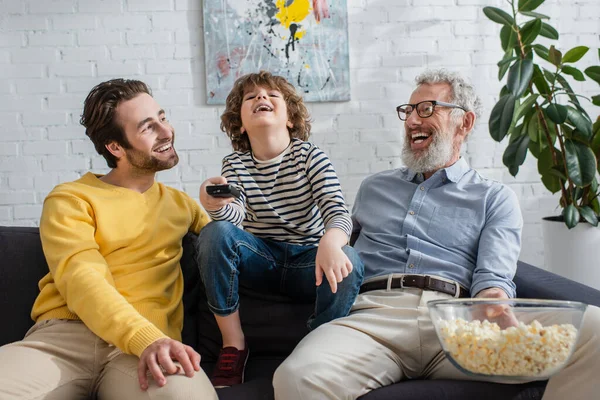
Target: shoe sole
243 373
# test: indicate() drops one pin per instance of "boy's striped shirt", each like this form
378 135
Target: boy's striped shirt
292 198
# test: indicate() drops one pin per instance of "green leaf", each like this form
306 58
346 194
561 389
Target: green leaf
515 153
563 82
539 81
534 14
574 72
581 163
548 31
575 54
555 56
557 113
499 16
593 72
501 117
559 172
529 5
571 216
545 163
508 37
534 130
525 106
596 100
579 121
530 31
589 215
541 51
549 76
519 76
504 64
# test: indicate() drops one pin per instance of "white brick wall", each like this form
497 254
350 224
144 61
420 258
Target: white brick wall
53 52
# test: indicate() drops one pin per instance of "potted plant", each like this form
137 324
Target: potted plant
541 114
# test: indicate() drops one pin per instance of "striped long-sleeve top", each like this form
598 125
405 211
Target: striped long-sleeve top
293 198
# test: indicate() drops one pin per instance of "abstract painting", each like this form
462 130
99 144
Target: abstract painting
305 41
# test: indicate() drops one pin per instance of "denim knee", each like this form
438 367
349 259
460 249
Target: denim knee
358 268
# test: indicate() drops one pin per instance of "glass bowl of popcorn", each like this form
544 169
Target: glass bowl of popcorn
507 340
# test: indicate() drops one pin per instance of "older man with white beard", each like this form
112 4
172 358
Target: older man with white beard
435 229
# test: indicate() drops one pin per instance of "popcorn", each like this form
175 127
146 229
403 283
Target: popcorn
523 350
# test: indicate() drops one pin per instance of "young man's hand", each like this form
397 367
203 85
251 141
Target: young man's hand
158 359
209 202
331 259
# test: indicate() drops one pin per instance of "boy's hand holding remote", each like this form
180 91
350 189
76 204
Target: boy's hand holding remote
209 202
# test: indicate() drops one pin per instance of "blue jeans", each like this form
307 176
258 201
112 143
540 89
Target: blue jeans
228 256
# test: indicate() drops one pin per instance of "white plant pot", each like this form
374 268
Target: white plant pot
573 253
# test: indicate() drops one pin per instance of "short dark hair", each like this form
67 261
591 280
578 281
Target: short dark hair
98 116
231 119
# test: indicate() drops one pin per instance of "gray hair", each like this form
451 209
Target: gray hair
463 93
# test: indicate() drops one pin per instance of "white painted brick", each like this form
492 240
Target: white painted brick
14 198
18 103
44 147
65 102
193 36
31 86
18 164
414 45
23 71
456 13
24 23
178 82
9 149
413 13
44 118
21 134
367 91
187 52
84 54
5 87
4 57
82 85
5 214
176 20
365 59
431 28
33 55
118 70
72 69
476 28
61 163
150 5
127 22
101 6
67 23
149 37
445 59
172 98
83 147
50 39
388 150
28 212
379 136
52 7
66 132
8 39
20 182
199 142
359 122
168 67
132 53
99 38
403 60
191 5
371 15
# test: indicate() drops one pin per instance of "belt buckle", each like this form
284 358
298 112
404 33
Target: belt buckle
402 282
457 290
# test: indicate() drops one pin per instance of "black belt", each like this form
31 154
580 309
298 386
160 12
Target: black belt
425 282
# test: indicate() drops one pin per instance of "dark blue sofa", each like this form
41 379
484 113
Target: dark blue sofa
273 324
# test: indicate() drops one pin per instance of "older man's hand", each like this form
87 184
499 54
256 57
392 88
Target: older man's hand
498 313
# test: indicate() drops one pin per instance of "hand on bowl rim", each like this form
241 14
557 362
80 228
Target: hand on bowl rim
498 313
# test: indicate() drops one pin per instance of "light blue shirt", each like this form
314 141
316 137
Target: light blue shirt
456 224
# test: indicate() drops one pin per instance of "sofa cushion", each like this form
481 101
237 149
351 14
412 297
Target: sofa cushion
22 266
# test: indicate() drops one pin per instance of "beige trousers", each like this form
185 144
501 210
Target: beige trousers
63 360
389 337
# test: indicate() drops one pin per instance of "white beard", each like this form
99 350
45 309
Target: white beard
439 153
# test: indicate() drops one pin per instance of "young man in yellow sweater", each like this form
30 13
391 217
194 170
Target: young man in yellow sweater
109 314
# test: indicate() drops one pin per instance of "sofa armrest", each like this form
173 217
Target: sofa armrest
533 282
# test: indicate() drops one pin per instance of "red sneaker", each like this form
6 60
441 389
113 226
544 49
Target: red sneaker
230 367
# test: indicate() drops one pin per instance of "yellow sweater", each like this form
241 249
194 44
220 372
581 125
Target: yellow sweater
113 255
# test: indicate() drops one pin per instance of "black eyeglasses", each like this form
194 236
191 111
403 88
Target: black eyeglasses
424 109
